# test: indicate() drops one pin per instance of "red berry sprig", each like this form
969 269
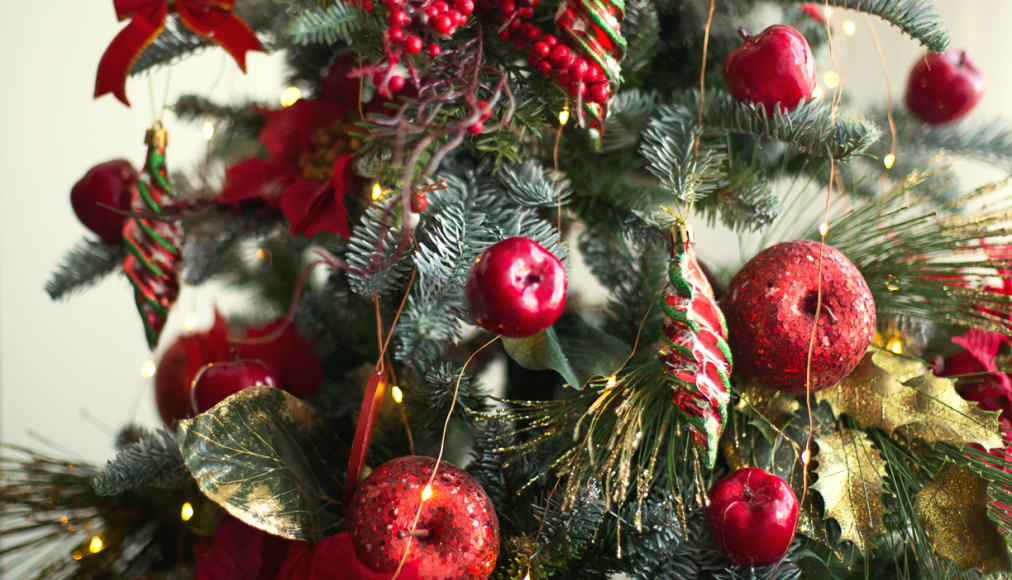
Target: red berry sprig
580 77
414 26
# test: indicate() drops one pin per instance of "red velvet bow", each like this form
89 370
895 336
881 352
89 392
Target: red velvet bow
212 19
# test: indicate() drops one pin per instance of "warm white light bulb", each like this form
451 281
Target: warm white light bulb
818 93
96 545
191 321
564 115
397 394
426 493
148 369
377 191
289 96
888 161
823 228
187 512
848 27
208 130
830 79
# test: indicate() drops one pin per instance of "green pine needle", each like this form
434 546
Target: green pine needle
85 265
153 461
810 128
340 21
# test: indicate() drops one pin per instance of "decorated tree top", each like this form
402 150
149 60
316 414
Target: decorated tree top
422 389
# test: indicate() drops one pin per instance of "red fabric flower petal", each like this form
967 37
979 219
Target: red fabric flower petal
258 180
287 132
300 371
334 558
312 208
234 553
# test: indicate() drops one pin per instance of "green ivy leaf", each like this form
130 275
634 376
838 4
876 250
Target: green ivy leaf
571 347
269 460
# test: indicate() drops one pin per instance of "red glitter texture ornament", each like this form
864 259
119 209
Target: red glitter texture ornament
457 533
770 307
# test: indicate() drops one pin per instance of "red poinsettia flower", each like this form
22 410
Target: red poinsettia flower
277 343
308 171
242 552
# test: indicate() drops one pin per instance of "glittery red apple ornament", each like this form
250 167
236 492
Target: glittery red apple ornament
105 188
752 516
943 87
516 288
457 534
770 308
772 67
217 381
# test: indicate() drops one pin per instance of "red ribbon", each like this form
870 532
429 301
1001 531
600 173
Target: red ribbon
212 19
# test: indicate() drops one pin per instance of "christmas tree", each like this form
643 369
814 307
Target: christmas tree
422 387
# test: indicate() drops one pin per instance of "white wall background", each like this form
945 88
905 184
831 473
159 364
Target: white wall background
70 372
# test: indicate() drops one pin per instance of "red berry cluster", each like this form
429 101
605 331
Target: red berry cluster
413 27
548 55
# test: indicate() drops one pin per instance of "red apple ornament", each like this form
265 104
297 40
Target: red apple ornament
456 537
516 288
770 308
943 87
106 185
217 381
752 516
773 67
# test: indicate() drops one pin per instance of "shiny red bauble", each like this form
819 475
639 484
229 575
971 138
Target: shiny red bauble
943 87
456 536
180 364
772 67
516 288
106 185
752 516
217 381
770 308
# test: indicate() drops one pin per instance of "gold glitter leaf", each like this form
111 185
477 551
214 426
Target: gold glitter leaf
952 509
850 482
894 393
268 459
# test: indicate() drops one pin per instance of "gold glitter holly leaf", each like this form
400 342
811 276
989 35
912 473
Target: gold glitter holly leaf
768 410
952 509
850 481
269 460
895 393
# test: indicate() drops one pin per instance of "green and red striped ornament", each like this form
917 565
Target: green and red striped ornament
695 355
593 28
153 243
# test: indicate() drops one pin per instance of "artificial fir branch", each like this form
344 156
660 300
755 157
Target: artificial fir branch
153 461
671 145
988 140
527 184
375 267
84 266
642 27
917 18
340 21
810 128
